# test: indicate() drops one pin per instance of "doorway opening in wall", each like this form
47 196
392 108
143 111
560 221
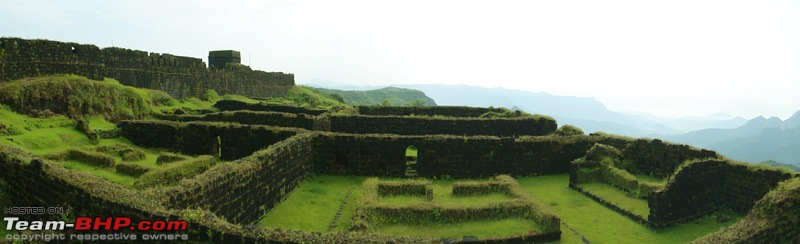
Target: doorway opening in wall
412 153
218 148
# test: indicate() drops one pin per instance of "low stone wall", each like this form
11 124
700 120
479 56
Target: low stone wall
227 141
446 156
701 187
231 105
250 118
245 190
694 191
448 111
509 127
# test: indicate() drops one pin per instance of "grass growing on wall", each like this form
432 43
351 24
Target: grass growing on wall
603 225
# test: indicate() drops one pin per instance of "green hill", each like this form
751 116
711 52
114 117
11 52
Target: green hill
395 96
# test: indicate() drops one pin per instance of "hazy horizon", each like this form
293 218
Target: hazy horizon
671 59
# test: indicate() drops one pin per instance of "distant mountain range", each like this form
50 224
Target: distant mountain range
586 113
758 140
754 140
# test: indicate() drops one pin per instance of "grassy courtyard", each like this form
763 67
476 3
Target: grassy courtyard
313 205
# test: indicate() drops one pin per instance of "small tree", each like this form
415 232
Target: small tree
386 103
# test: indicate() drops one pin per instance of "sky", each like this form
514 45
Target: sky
668 58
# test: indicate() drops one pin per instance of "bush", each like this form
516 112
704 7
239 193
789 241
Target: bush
210 95
165 158
175 172
130 154
569 130
13 130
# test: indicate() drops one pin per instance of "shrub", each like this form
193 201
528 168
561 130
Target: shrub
210 95
165 158
569 130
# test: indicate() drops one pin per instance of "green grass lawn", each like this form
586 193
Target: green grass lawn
618 197
313 204
602 225
401 200
479 229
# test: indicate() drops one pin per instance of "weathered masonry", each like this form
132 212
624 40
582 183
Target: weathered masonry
178 76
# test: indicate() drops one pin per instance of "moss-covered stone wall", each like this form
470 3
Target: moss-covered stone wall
659 158
701 187
227 141
694 191
453 156
745 184
231 105
250 118
179 76
361 124
448 111
775 218
244 191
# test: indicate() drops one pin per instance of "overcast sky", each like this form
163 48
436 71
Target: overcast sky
669 58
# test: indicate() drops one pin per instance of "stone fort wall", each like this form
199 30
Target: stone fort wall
179 76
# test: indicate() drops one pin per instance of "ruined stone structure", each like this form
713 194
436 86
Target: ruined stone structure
179 76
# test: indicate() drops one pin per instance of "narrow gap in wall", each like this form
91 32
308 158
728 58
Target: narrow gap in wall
412 153
218 150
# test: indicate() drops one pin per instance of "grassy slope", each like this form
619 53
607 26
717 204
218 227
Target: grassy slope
396 96
43 136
